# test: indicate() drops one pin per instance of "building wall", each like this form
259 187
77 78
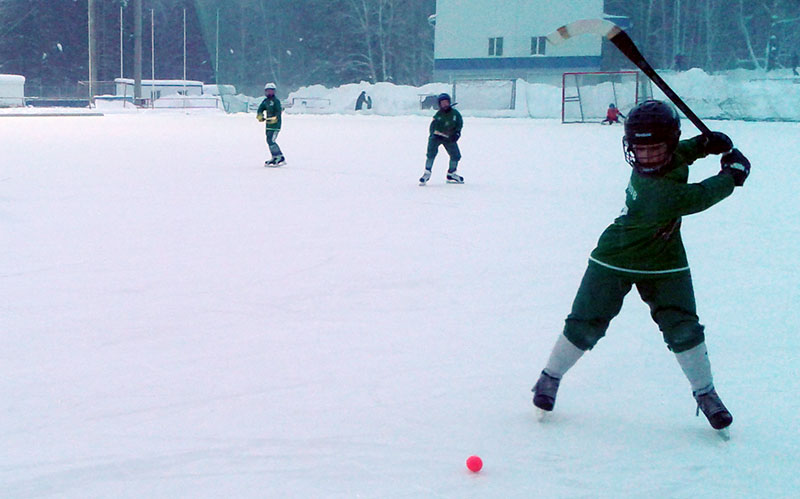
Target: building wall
158 88
464 27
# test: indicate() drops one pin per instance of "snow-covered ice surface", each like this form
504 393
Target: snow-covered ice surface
178 321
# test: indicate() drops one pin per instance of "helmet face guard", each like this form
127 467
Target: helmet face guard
444 97
647 158
652 131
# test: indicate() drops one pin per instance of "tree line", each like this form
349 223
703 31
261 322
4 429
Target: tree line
243 42
331 42
714 34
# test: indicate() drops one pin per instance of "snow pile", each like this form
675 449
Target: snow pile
177 101
388 99
219 89
739 95
745 95
114 103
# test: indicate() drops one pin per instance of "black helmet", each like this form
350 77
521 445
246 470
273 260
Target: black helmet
652 123
442 97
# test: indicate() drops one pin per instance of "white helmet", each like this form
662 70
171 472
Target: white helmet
269 86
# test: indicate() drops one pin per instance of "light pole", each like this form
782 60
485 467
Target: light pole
137 50
92 49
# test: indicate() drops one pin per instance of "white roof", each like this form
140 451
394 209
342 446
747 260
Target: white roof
12 79
162 83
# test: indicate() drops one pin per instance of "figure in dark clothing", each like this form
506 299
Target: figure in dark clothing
680 62
444 130
269 112
643 248
772 54
363 98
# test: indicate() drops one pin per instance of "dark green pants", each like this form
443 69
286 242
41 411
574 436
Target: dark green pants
451 147
274 149
600 296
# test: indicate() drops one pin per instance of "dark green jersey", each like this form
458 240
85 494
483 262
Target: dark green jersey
446 123
272 106
645 240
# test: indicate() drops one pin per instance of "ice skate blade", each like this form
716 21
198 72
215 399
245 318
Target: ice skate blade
542 416
724 434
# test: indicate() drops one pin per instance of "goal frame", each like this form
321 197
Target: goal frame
638 79
512 98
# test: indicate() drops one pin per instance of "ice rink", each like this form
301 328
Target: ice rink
179 321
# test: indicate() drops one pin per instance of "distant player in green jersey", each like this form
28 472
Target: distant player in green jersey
445 130
643 248
269 112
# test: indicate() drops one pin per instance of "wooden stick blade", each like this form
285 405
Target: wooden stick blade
600 27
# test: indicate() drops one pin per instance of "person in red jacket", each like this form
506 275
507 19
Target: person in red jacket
612 115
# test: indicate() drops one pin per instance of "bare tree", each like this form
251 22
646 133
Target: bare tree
743 20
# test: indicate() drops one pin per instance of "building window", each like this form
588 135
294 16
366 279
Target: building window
496 46
538 45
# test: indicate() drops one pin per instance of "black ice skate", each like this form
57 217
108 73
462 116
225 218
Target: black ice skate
280 161
544 392
454 178
713 408
425 177
270 163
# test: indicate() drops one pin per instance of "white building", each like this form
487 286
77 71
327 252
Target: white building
155 89
506 39
12 91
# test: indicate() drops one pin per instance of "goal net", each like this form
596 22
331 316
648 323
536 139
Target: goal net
485 94
314 103
585 97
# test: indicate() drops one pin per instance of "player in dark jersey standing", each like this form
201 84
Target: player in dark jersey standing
445 130
270 112
643 248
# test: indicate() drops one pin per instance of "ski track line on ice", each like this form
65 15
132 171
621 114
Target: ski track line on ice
197 402
302 270
40 270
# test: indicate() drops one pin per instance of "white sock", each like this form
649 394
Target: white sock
563 357
697 368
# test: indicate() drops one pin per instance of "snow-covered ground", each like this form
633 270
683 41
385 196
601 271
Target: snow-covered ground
178 321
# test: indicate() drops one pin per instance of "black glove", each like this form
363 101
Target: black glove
455 136
736 165
718 143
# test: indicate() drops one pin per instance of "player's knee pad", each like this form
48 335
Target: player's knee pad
684 336
585 334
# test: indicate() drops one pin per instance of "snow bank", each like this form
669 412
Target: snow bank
738 95
387 99
176 101
746 95
114 103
